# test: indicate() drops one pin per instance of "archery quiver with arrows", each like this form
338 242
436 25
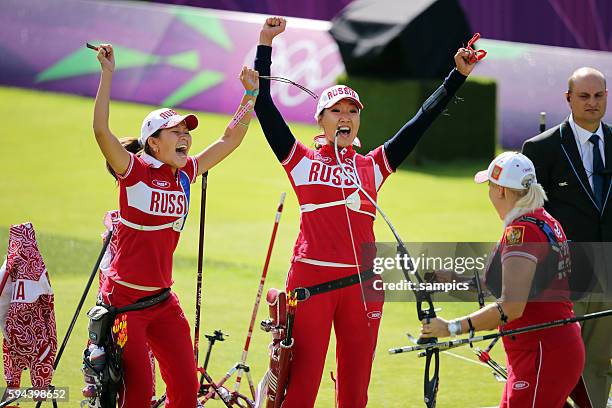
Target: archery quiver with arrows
280 324
102 358
102 363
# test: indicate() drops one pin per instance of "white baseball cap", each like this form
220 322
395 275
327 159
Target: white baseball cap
336 93
509 169
164 118
328 98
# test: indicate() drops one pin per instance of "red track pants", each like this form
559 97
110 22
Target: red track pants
166 330
356 334
544 376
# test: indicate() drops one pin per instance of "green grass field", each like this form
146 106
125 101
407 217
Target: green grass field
53 175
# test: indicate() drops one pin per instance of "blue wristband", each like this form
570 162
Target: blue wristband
253 92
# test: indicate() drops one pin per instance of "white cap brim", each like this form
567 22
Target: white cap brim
481 176
335 100
190 120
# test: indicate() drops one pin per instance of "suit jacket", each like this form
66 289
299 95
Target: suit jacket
560 171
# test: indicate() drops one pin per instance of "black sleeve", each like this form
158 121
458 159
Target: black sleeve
403 142
277 133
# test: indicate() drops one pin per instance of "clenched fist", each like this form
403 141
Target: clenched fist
271 28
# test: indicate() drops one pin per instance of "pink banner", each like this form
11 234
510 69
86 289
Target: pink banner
166 55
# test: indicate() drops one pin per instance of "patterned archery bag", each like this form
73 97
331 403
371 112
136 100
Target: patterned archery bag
27 314
271 390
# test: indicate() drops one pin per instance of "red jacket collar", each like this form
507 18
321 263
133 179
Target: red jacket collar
343 152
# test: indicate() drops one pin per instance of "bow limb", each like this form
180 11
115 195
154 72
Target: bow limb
430 380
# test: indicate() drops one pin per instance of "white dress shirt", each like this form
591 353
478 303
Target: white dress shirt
585 147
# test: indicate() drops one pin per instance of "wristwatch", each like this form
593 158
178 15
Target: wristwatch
454 327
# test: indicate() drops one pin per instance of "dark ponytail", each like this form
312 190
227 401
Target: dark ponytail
317 145
132 145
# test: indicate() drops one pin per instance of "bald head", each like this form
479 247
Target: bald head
587 97
585 74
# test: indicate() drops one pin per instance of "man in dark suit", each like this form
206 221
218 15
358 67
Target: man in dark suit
573 163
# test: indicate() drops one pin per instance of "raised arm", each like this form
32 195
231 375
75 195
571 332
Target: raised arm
403 142
276 131
115 154
236 129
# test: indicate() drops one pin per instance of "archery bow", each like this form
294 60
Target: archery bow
430 382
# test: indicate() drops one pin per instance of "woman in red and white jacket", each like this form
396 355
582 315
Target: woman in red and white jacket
528 274
154 173
336 221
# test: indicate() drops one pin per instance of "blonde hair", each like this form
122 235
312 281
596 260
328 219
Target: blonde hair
531 198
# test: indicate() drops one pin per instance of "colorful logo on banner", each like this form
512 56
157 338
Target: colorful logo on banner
80 62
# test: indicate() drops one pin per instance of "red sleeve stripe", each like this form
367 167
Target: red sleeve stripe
288 159
519 254
195 169
384 155
129 169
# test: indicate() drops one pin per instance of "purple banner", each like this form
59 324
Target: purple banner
166 55
565 23
315 9
569 23
190 58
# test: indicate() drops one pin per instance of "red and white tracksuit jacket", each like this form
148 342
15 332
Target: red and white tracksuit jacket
28 318
321 188
153 203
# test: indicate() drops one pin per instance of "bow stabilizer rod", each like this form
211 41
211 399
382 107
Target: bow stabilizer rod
445 345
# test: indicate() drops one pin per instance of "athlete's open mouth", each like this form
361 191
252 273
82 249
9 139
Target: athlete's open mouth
182 149
344 131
